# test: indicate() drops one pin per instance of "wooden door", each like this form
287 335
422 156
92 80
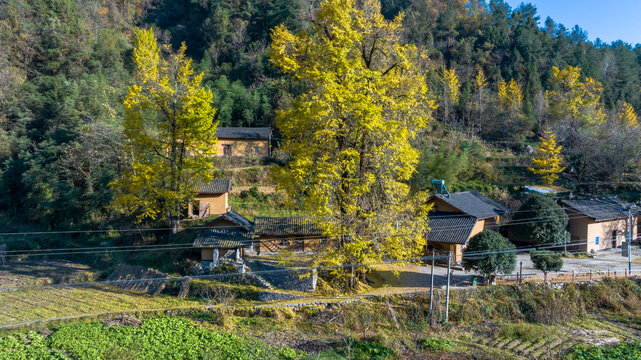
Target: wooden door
204 207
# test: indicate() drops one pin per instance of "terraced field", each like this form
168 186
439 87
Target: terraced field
26 305
554 343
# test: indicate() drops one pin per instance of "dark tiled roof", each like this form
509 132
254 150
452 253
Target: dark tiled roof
223 238
450 228
244 133
235 218
600 209
473 203
216 186
285 226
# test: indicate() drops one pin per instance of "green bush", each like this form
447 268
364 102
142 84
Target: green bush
546 261
435 345
523 332
626 351
496 255
540 220
371 350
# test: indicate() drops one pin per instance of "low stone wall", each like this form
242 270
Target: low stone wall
273 296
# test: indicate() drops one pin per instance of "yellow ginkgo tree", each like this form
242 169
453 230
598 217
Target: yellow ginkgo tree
451 91
547 162
626 115
350 133
169 133
480 85
510 96
573 98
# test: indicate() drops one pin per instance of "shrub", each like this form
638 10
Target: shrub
371 350
540 220
435 345
546 261
523 332
501 261
252 193
624 351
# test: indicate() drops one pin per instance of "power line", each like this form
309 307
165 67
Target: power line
62 232
156 247
214 276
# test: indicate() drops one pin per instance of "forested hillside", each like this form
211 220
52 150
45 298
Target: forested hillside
499 78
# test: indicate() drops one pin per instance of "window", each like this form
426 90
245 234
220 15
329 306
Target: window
227 150
596 242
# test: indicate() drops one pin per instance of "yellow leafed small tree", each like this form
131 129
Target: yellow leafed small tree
350 133
169 132
510 96
480 87
547 162
573 98
451 91
625 114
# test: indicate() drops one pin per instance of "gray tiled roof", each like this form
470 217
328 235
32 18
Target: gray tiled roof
216 186
233 217
600 209
285 226
473 203
223 238
449 228
244 132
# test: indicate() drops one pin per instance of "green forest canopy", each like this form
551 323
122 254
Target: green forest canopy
65 66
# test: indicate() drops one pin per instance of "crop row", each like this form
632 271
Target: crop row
49 302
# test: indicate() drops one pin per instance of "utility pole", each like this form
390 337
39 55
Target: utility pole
432 283
629 240
521 273
447 296
629 244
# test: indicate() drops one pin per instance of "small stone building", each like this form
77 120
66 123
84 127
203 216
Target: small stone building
244 142
211 199
457 217
298 234
598 224
230 232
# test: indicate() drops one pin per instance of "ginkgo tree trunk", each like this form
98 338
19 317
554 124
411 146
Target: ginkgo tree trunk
169 130
350 132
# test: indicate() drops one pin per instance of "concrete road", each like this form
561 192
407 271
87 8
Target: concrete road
393 279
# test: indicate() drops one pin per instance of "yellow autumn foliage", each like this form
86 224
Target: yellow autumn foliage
451 84
480 81
350 133
510 95
547 163
169 133
574 98
625 114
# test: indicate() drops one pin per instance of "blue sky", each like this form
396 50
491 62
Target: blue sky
608 20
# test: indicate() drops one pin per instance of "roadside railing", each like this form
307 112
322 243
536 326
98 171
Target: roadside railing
565 277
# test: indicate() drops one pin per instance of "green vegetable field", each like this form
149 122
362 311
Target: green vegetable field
156 338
